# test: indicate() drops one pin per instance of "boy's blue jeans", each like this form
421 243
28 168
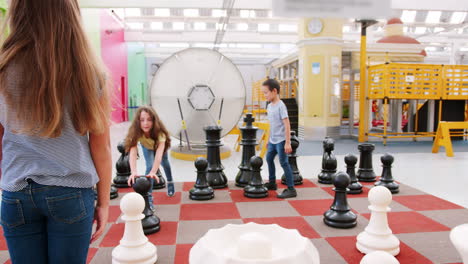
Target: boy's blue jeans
149 160
48 224
274 149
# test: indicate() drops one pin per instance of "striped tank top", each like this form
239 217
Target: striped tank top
61 161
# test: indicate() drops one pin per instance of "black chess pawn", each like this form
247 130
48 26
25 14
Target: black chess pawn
340 214
292 157
387 179
366 171
162 182
201 190
215 175
151 223
328 162
123 168
114 193
255 188
248 143
355 187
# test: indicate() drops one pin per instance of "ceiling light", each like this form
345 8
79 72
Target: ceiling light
135 25
420 30
156 25
287 27
433 17
457 17
199 26
178 25
162 12
218 12
191 12
132 12
408 16
263 27
242 26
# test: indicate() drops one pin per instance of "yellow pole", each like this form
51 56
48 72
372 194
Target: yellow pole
385 120
362 93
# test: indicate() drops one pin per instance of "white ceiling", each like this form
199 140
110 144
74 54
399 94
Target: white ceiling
254 35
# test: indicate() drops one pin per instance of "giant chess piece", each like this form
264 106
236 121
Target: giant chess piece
123 168
378 235
162 182
256 189
114 193
134 246
340 214
366 171
201 190
459 238
151 222
215 175
292 157
355 187
328 162
386 179
379 257
248 142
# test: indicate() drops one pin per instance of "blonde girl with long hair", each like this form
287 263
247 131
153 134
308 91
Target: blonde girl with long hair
148 130
54 125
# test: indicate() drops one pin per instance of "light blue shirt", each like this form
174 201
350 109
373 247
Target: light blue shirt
276 114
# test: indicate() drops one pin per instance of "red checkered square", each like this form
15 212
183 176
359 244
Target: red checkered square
425 202
411 222
214 211
311 207
182 253
346 247
294 222
162 198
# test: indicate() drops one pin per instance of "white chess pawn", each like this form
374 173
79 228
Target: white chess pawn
379 257
134 247
459 238
377 236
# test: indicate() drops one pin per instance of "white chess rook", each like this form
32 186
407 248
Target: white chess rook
379 257
134 247
377 236
459 238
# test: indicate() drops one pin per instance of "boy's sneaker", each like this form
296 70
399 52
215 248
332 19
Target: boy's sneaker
170 189
271 186
287 193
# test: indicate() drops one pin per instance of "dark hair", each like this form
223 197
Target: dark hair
272 84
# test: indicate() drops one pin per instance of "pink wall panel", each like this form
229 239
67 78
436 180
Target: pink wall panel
114 55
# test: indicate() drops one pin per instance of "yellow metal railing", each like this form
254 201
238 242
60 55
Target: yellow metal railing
415 82
418 81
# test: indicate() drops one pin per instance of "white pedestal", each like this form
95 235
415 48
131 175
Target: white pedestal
253 243
459 238
134 247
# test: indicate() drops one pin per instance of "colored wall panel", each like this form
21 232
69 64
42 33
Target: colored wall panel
92 25
137 83
114 56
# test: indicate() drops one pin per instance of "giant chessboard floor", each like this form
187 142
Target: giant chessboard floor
422 222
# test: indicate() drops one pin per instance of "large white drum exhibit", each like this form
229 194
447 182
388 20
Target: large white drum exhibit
200 87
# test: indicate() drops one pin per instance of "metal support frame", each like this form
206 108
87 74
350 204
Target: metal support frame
363 104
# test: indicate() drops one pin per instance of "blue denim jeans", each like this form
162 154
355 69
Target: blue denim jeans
149 160
48 224
274 149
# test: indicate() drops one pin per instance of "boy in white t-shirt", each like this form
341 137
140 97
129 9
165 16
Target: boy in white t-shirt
280 138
